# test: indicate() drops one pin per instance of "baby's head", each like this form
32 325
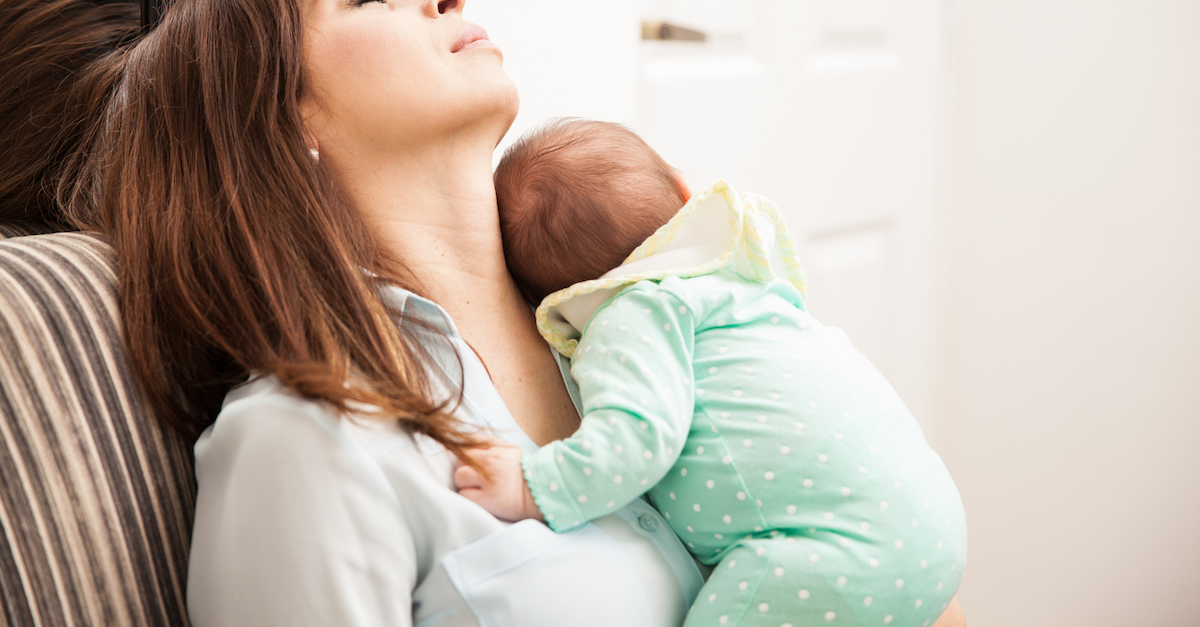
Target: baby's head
576 197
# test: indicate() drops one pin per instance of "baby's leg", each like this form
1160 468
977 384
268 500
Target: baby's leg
760 584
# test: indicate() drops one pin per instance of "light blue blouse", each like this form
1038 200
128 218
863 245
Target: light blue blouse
306 519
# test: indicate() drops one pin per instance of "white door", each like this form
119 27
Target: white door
832 108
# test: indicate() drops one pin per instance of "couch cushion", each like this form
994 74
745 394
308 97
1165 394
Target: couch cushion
96 496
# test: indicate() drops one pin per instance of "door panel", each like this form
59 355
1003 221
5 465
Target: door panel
833 109
853 267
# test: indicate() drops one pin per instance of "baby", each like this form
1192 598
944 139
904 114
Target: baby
771 446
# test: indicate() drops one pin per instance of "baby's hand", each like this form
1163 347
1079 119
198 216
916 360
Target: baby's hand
504 494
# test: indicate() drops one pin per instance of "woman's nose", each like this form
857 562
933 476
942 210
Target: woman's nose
442 7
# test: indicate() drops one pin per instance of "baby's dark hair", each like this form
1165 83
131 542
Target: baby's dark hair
576 197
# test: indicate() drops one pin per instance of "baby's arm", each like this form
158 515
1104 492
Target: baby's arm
634 368
503 491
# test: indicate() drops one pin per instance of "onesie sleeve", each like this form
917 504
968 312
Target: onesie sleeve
634 369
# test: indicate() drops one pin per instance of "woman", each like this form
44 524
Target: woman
290 188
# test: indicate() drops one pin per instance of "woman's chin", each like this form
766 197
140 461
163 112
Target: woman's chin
499 107
510 108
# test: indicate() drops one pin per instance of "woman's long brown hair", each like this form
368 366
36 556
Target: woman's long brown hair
237 254
54 54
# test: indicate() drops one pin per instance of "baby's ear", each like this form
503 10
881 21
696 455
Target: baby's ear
684 189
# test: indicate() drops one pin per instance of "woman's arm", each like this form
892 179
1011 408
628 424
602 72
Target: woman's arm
291 526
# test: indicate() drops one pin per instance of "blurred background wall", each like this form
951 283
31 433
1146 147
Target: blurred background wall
1070 351
999 201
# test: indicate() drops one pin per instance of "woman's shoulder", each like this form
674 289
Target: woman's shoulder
287 503
266 435
264 422
264 417
262 402
270 437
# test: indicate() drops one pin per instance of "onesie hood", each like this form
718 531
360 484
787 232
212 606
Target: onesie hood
714 230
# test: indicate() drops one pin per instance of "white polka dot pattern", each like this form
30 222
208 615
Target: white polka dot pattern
786 436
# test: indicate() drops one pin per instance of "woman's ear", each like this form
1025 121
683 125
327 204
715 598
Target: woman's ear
309 116
314 147
684 189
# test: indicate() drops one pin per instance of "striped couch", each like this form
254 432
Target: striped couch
96 497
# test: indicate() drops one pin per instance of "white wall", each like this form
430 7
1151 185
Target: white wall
1070 351
577 58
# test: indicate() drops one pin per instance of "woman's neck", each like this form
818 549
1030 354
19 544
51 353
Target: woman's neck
435 210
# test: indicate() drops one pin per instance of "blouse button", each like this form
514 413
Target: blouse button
648 522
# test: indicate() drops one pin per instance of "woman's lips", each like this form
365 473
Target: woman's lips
473 36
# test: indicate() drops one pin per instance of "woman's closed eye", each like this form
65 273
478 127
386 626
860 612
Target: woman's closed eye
359 3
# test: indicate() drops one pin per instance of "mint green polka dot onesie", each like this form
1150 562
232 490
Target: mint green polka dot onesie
775 450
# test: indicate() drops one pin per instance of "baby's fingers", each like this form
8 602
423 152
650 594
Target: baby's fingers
466 477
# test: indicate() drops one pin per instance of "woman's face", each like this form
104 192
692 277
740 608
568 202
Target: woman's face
390 75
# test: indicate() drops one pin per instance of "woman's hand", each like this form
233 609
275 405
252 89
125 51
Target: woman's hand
503 491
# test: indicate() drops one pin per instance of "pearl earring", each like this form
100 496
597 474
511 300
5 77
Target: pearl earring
315 154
